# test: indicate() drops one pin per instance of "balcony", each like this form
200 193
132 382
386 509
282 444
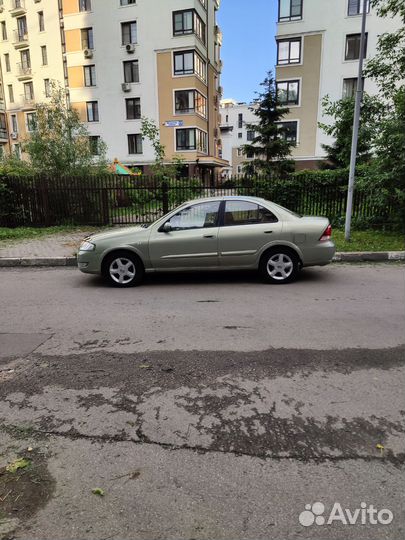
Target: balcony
17 8
28 103
20 39
3 134
24 72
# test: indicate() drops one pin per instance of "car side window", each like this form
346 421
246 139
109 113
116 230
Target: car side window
197 216
246 213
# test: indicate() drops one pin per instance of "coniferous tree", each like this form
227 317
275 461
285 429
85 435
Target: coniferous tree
270 148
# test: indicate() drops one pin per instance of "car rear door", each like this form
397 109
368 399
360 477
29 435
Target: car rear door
245 229
192 241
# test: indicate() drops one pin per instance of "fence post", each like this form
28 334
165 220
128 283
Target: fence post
165 197
104 205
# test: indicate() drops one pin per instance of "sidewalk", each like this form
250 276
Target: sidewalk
60 250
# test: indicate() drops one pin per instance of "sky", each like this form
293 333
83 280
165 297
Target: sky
248 49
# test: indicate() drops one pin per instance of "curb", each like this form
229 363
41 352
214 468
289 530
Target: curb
37 261
354 256
369 256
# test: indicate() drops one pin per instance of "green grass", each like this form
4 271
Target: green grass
369 240
12 235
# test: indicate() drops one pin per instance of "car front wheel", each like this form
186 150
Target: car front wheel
279 266
123 270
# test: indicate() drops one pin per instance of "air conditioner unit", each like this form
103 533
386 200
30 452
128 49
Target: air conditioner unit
220 90
126 87
88 53
14 135
130 48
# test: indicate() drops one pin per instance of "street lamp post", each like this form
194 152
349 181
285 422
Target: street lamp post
356 121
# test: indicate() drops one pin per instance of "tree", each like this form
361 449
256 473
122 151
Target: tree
150 131
342 111
59 143
269 148
387 68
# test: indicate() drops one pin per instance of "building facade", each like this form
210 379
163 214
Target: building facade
235 119
318 44
120 61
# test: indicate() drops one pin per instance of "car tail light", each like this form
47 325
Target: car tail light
326 235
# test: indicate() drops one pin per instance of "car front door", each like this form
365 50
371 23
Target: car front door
190 242
246 228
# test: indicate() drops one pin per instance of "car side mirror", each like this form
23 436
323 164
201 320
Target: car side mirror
167 227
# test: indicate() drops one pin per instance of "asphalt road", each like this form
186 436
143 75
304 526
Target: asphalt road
208 406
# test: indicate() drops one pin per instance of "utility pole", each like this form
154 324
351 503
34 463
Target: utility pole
356 121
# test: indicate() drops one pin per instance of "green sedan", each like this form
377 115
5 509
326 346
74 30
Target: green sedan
211 234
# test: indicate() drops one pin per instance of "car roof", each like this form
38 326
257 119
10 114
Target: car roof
227 198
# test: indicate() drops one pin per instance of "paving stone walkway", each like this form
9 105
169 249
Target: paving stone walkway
55 245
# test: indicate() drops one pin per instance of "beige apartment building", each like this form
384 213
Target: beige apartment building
119 61
318 44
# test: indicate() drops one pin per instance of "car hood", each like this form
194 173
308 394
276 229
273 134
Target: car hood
116 233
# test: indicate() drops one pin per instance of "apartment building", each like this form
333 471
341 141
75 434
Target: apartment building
119 61
318 44
235 119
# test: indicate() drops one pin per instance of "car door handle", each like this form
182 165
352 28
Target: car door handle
268 232
209 236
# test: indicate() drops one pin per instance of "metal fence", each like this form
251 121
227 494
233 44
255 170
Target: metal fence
121 200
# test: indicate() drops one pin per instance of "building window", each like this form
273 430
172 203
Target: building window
191 139
131 71
84 5
128 32
7 62
188 22
31 121
3 128
352 51
239 152
288 131
11 93
41 21
14 123
288 92
239 135
87 38
17 150
350 87
190 101
133 107
28 91
92 111
94 143
189 63
289 10
22 28
89 75
25 61
135 143
44 55
288 51
240 120
127 2
3 30
355 7
47 88
250 135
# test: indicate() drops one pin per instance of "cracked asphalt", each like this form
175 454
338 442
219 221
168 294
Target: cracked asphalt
204 407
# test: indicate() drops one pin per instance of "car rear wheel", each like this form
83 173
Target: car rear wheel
123 270
279 266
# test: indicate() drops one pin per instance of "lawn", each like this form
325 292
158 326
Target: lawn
369 240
